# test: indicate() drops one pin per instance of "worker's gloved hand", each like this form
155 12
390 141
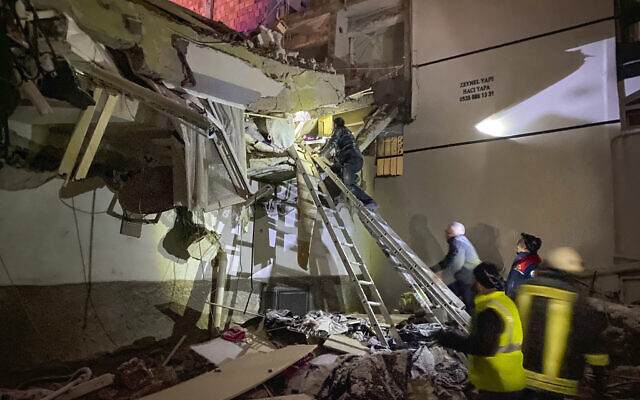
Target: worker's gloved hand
439 336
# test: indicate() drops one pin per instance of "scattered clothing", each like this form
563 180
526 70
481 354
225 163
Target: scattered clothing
318 323
523 268
416 335
560 321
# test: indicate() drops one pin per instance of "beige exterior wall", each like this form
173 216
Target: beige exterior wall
557 90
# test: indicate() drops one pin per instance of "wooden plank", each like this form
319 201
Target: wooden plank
394 146
345 344
77 137
87 387
387 166
387 147
236 376
96 137
400 144
400 167
380 167
392 168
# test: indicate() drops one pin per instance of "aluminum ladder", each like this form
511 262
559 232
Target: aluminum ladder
349 254
428 288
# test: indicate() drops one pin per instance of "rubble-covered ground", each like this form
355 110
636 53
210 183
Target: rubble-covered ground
417 368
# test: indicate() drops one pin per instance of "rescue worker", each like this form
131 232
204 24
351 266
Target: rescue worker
460 261
525 263
493 346
561 331
347 160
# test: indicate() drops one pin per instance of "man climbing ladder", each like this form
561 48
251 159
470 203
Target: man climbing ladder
347 160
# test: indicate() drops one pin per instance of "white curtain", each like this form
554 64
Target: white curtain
207 185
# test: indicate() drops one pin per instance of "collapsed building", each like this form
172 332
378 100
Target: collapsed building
158 188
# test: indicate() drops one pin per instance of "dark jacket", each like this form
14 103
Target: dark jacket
461 254
344 143
557 318
523 268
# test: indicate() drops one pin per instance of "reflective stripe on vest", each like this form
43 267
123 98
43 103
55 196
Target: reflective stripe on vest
507 317
559 315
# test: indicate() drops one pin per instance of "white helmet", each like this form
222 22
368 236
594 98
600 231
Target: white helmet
565 259
457 228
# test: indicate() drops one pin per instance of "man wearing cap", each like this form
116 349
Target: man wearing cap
347 160
493 345
525 263
460 261
562 332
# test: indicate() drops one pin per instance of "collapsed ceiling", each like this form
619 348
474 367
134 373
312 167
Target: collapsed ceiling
164 107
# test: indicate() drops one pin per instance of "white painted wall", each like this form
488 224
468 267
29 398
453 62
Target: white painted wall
40 243
557 185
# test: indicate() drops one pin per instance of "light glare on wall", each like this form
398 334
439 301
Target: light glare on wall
491 127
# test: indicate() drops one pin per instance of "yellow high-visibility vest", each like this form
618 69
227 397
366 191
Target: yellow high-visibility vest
502 372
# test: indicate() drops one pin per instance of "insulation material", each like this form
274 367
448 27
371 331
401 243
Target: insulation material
281 132
306 214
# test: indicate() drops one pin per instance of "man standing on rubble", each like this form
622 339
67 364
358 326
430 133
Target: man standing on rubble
493 345
562 331
347 160
460 261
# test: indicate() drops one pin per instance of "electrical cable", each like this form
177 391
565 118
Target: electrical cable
79 210
90 263
75 220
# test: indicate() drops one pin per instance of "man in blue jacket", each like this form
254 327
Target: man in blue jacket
525 263
460 260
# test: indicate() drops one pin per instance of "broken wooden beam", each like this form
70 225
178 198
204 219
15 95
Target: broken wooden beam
96 137
77 137
375 124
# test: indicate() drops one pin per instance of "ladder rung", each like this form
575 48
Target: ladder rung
374 303
368 283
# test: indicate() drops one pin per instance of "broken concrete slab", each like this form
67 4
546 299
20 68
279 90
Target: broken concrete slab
232 79
235 377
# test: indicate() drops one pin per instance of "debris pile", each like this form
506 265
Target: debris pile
318 355
268 43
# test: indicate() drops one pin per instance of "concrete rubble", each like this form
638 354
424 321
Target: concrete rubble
325 373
